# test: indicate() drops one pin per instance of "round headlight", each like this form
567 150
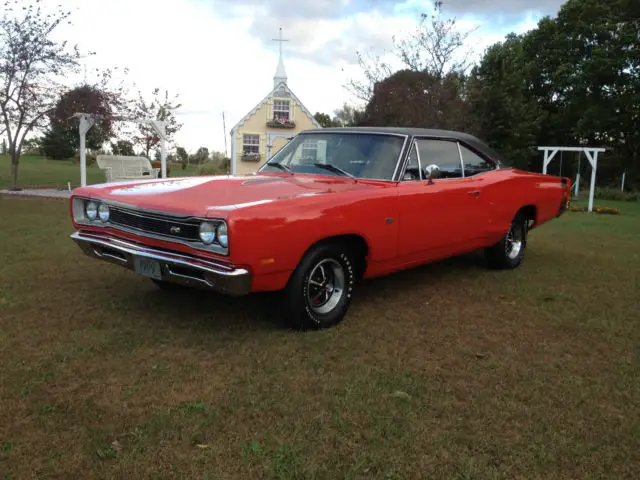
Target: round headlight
207 233
103 212
223 235
91 209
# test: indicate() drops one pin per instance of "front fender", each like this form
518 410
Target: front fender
273 240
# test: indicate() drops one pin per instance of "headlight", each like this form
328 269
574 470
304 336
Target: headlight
103 212
223 236
207 233
91 210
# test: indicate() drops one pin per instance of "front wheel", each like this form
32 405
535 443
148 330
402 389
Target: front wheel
509 252
319 290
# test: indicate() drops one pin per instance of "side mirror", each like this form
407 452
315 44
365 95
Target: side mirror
433 171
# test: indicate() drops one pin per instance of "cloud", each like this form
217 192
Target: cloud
219 56
331 9
486 7
332 31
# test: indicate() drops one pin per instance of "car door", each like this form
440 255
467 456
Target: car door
435 214
480 212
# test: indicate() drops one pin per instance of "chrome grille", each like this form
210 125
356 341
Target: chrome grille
185 229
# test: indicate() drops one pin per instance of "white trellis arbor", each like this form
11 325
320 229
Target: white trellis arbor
589 152
87 120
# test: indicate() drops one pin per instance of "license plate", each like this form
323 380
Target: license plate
147 267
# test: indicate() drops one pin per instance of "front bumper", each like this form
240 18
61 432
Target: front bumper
167 266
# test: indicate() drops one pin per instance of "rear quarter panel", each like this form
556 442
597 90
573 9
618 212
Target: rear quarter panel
509 190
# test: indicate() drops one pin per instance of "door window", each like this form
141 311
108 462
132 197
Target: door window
443 153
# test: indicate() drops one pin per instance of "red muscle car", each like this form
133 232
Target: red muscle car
332 207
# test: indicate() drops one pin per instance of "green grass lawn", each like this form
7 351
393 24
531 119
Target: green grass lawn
449 371
39 171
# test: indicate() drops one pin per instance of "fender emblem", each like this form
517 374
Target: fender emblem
175 230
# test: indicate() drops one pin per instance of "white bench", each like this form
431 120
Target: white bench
122 167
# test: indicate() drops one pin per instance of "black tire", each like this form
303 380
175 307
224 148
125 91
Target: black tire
503 255
303 308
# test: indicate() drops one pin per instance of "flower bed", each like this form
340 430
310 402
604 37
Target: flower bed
251 157
605 210
281 123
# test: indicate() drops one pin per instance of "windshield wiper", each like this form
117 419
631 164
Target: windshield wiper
280 166
333 168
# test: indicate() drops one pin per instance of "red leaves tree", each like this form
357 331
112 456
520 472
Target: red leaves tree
417 99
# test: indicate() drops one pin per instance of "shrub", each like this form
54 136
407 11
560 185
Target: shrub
90 158
615 194
211 168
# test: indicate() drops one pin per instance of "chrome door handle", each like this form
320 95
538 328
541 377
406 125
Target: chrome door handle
475 193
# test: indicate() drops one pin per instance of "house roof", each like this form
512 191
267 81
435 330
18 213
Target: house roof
283 90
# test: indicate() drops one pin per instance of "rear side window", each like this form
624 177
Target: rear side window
474 163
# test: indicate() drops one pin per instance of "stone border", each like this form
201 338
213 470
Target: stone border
38 192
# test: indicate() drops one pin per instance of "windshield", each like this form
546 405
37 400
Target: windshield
359 155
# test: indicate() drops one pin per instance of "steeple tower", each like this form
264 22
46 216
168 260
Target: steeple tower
281 74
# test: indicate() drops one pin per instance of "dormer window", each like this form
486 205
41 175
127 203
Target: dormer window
281 114
281 110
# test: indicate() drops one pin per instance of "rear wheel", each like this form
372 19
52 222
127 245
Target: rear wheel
509 252
319 290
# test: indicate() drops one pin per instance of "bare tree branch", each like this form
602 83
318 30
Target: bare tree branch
434 48
33 68
374 70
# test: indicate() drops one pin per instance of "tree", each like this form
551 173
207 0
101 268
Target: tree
573 80
201 155
57 144
123 147
416 99
504 112
325 120
32 65
158 108
594 60
347 115
182 155
222 162
92 99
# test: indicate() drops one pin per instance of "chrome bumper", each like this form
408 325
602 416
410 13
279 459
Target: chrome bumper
174 267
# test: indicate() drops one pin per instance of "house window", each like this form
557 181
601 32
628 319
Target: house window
310 149
250 143
281 109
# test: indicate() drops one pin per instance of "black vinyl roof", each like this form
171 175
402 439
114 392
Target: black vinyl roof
468 139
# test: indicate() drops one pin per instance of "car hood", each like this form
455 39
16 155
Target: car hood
215 195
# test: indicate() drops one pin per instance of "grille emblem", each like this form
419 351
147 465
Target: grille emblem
175 230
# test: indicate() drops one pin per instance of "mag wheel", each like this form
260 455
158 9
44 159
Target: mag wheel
319 291
509 252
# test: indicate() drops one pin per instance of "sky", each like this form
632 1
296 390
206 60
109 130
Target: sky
219 55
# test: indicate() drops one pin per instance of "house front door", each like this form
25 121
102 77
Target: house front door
277 144
275 141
